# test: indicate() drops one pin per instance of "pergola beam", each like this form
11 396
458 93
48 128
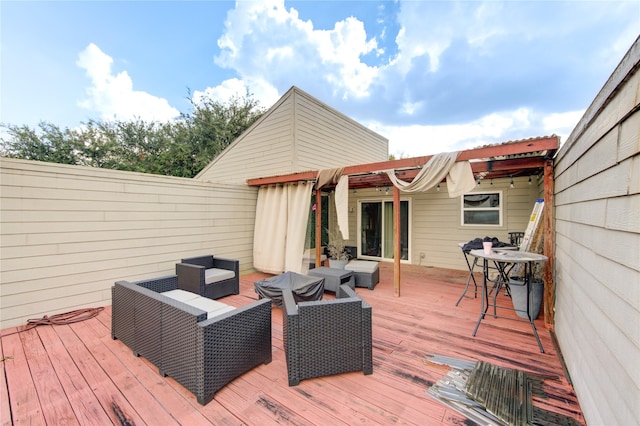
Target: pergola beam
489 169
487 158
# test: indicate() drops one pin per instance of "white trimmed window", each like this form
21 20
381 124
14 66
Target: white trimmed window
482 209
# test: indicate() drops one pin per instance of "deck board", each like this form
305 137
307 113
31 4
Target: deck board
5 408
77 374
55 408
23 396
83 400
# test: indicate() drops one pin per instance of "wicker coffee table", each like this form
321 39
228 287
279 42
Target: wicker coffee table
334 278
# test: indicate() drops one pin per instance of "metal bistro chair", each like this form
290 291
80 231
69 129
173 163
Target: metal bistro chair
471 266
500 281
515 238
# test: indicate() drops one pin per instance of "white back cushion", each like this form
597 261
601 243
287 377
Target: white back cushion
212 307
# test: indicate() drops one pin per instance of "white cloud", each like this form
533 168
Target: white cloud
562 124
113 97
409 108
417 140
263 41
260 90
343 47
454 62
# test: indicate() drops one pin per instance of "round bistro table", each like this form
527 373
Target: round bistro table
504 261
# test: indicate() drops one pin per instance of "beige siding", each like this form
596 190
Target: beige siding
328 139
263 150
597 193
436 226
67 233
299 133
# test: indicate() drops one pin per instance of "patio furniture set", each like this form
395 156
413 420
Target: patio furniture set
202 343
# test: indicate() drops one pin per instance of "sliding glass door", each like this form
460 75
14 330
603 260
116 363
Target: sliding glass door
375 239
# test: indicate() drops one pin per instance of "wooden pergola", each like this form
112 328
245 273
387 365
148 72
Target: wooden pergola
510 159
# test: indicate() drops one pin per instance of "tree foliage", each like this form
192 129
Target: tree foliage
179 148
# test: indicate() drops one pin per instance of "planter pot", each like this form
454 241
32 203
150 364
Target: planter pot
519 297
337 264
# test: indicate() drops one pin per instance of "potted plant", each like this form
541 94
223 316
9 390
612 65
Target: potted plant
338 255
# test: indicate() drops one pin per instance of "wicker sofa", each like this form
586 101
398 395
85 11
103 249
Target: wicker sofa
202 354
209 276
327 337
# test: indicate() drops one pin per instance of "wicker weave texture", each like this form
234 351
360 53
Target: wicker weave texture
201 354
123 316
234 343
367 279
160 284
191 273
327 337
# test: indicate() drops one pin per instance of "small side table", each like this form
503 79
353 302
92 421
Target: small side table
334 278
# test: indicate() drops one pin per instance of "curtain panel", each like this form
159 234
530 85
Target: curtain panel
282 213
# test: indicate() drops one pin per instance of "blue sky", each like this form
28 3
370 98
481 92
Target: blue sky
431 76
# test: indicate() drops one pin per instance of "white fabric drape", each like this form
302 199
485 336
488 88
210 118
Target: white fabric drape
328 177
460 179
342 206
299 198
436 169
281 221
270 229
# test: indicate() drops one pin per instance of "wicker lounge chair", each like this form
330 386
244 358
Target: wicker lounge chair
202 354
327 337
209 276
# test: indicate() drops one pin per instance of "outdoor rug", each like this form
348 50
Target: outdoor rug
490 395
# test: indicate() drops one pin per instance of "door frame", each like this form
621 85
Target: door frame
382 200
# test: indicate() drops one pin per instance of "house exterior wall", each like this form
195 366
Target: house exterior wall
597 220
436 226
265 149
67 233
299 133
328 139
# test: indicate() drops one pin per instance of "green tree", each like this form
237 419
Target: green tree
212 126
48 144
179 148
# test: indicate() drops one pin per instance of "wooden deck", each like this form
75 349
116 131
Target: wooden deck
76 374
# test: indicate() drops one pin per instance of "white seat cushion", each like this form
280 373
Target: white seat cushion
214 275
362 266
181 295
212 307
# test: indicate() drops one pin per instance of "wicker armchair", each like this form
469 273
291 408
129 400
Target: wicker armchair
201 354
327 337
209 276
